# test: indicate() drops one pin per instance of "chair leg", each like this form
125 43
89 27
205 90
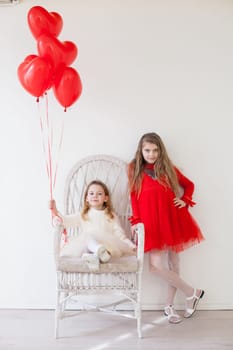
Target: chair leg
138 314
63 304
139 326
139 318
57 315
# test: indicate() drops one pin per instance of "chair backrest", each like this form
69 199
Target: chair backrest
108 169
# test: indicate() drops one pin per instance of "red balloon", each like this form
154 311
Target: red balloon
67 87
35 75
58 53
41 21
29 58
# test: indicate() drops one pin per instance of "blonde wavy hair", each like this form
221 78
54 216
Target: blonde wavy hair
164 169
107 206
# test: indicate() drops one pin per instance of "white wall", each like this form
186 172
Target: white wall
163 66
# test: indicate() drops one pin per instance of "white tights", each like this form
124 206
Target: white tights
93 245
170 274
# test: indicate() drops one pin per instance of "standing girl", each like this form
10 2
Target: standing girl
160 197
100 235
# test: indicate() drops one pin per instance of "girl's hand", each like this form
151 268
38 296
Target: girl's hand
179 203
52 207
133 251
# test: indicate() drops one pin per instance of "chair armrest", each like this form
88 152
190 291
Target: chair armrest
138 238
57 240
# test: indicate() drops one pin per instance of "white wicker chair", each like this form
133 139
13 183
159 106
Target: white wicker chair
122 276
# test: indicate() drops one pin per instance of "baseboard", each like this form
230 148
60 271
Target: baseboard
145 307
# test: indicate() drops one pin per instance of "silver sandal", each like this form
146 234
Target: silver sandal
172 315
190 311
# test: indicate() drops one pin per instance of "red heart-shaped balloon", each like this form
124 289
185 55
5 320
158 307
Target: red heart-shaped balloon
67 86
35 75
56 52
41 21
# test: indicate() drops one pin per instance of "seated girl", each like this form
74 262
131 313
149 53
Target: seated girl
100 233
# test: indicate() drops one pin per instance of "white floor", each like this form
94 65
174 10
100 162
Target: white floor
33 329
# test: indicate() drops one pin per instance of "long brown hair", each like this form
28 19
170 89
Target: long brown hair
107 206
164 169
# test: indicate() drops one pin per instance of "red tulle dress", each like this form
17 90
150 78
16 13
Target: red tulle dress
166 226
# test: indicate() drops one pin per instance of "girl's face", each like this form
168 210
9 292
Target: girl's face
150 152
96 197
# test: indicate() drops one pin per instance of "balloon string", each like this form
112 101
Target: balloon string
49 137
59 152
43 139
47 134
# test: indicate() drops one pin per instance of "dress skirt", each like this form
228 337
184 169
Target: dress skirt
166 226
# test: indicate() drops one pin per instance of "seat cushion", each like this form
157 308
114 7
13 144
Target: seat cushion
74 264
